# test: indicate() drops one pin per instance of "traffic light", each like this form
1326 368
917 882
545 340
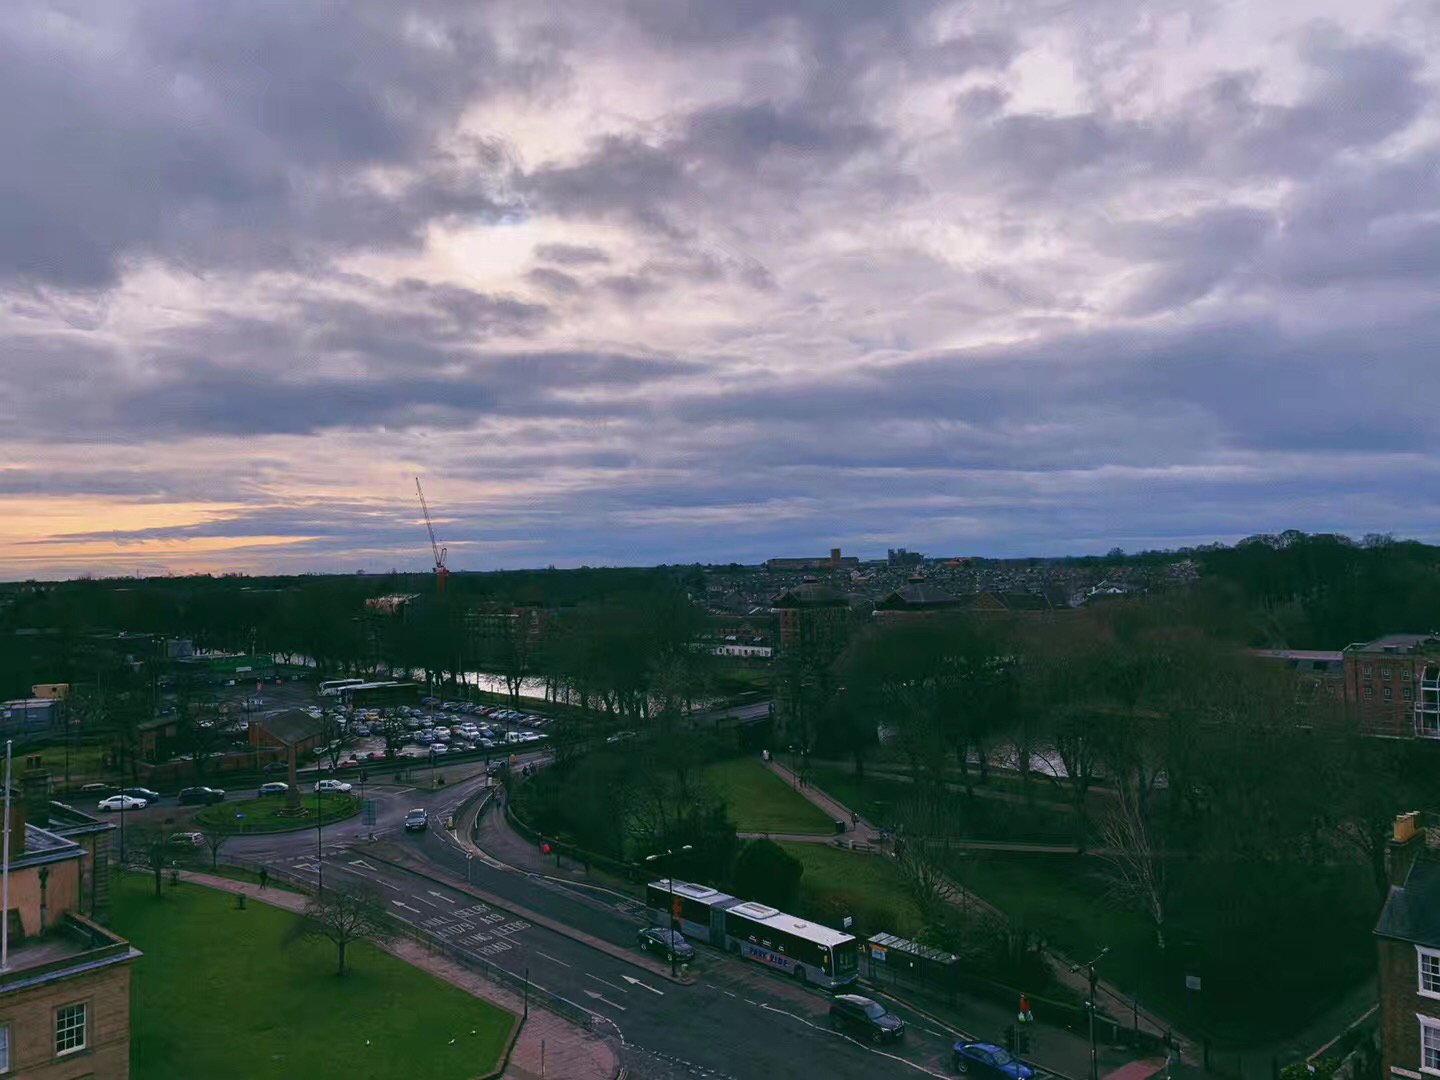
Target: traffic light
1022 1041
1010 1037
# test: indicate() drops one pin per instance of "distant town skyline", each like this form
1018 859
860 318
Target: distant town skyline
632 282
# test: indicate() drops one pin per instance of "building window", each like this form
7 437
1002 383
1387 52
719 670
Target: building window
1429 1044
1406 694
1428 963
4 1048
70 1028
1385 673
1369 671
1369 691
1389 693
1404 674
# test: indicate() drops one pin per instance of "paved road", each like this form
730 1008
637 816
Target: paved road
736 1020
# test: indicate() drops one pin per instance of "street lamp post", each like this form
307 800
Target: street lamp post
670 881
319 843
1090 1008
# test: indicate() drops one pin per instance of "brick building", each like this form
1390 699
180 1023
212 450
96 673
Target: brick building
1382 681
1408 936
65 989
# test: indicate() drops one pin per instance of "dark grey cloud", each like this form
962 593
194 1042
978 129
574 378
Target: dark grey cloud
555 281
233 136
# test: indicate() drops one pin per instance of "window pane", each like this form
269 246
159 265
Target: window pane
4 1047
69 1028
1430 1046
1430 972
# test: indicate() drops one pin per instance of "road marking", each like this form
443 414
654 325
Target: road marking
607 1001
422 900
636 982
407 907
937 1034
552 959
387 884
442 896
361 862
847 1038
612 986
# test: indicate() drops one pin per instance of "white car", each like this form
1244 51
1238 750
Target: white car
122 802
328 787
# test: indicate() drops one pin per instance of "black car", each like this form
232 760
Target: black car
670 944
276 766
861 1016
202 795
416 820
141 793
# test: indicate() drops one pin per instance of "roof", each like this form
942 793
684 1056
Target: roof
810 594
918 595
44 846
1412 911
1396 643
1327 656
291 726
913 948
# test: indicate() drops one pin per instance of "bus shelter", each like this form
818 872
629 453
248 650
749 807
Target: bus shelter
890 959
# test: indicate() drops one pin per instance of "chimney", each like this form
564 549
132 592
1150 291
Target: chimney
1405 843
35 794
17 825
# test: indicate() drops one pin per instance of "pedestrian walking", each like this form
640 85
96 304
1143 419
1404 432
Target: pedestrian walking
264 877
854 820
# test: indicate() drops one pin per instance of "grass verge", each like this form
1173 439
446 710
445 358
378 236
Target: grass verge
263 815
217 995
760 802
867 887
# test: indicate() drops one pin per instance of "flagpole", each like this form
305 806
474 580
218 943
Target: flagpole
5 873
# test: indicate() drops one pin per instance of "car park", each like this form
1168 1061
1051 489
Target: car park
416 820
988 1061
332 787
866 1018
670 944
275 787
122 802
203 795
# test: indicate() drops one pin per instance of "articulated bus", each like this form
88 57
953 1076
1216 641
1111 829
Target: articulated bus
808 951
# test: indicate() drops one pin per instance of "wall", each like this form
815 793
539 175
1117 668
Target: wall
62 892
1399 1002
31 1016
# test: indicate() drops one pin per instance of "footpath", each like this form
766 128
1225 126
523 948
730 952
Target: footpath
866 837
547 1046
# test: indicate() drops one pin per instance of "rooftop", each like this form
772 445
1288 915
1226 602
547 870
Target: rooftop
1412 911
1396 643
44 846
291 726
74 946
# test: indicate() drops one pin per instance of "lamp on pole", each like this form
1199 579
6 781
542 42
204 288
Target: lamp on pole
319 841
670 882
1090 1007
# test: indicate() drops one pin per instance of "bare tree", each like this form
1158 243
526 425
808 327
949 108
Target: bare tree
923 873
215 839
342 918
150 851
1135 861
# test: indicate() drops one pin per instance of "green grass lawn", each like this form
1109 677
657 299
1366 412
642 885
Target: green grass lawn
263 815
760 802
868 887
1256 993
217 995
882 800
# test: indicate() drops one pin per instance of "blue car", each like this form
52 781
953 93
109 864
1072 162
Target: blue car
989 1061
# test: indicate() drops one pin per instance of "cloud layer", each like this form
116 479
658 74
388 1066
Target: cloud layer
638 282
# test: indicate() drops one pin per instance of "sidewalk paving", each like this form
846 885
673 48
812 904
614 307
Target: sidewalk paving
547 1046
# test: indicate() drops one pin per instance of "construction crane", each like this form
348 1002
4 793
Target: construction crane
441 570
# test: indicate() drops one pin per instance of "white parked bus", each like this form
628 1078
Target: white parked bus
806 950
333 687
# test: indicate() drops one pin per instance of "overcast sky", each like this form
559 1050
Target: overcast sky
639 281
